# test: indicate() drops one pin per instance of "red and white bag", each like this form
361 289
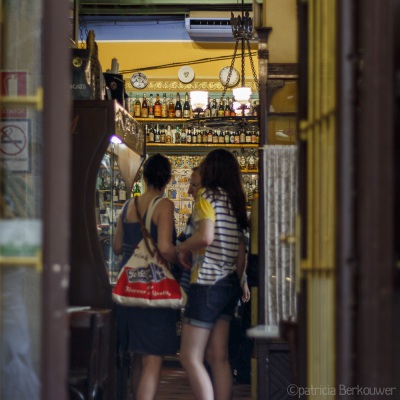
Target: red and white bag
146 279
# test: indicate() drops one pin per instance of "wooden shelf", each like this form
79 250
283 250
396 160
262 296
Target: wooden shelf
190 145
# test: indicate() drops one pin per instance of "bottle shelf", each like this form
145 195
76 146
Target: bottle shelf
191 145
160 120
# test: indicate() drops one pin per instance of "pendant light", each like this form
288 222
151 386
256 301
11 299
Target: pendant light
242 31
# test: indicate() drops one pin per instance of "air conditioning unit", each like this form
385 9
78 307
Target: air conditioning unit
209 26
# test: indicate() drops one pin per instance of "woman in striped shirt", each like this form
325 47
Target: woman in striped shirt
216 253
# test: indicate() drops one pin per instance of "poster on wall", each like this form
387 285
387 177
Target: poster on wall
15 144
13 83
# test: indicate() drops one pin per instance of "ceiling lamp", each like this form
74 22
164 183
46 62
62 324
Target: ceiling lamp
198 100
242 30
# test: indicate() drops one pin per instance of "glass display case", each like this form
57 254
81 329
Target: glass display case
113 188
108 150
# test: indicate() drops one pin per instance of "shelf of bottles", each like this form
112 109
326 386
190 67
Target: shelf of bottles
173 128
111 194
175 108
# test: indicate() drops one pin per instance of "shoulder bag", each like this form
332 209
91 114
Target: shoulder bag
145 280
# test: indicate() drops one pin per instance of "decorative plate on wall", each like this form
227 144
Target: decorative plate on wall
186 74
233 80
139 80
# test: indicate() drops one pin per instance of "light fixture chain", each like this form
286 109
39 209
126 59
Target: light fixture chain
243 65
253 69
230 71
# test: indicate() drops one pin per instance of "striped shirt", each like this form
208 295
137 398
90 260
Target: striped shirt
218 259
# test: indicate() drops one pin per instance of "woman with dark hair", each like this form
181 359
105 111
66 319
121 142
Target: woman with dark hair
147 333
216 252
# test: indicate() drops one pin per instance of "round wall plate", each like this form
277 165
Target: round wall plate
186 74
223 76
139 80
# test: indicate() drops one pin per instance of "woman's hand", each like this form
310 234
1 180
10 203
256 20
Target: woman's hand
245 292
185 258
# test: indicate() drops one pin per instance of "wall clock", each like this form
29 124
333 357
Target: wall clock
186 74
139 80
234 79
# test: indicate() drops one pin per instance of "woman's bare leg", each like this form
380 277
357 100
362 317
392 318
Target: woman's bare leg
218 358
136 369
149 377
193 344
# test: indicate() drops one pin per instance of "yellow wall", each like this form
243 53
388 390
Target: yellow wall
280 15
137 55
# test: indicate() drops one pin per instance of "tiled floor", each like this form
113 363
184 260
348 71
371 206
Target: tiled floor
175 385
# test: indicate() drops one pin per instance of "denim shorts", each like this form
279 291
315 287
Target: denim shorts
207 303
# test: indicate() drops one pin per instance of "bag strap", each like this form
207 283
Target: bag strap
145 229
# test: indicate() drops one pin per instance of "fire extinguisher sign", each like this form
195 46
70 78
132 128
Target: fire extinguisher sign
15 144
13 84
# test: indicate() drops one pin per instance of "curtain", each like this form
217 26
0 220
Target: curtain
280 171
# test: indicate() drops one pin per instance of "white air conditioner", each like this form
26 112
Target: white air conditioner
209 26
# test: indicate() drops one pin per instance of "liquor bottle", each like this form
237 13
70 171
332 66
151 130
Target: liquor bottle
151 106
242 136
214 108
253 135
227 112
176 134
221 108
199 137
232 137
255 108
168 134
221 138
115 189
210 136
186 106
137 108
144 112
233 111
157 134
207 111
227 137
194 135
248 136
131 108
162 134
151 134
136 190
164 106
215 137
236 137
95 72
178 106
157 107
189 136
171 107
183 135
121 190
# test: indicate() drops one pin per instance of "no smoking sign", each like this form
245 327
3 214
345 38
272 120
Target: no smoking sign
14 144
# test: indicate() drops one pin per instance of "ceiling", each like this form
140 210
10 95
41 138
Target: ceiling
159 7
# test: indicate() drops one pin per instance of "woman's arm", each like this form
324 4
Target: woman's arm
241 259
201 238
118 237
165 225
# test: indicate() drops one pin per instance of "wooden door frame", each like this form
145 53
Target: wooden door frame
55 183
